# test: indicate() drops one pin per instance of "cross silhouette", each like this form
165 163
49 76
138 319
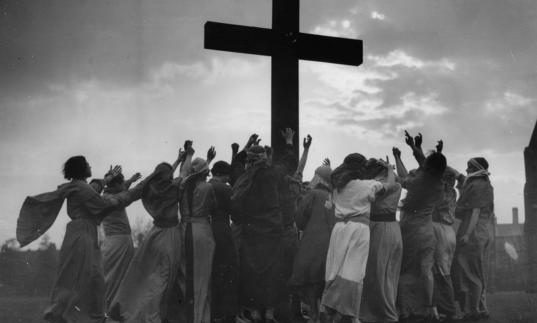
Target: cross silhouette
286 45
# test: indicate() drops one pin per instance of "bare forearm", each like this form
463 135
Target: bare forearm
401 169
473 221
302 162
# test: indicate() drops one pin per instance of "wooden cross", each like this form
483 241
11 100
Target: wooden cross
286 45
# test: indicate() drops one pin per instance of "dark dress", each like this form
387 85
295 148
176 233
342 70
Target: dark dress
225 278
256 207
316 219
419 243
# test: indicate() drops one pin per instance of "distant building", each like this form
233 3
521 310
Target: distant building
508 257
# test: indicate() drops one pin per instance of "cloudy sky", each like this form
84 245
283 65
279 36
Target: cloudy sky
128 81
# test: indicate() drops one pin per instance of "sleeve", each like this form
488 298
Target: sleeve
377 188
478 194
304 210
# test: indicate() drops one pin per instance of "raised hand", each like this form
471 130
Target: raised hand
181 155
439 146
307 142
252 140
188 147
326 162
409 140
135 177
257 141
112 173
235 148
418 140
288 135
211 153
396 153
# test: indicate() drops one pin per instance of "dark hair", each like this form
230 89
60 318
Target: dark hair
373 168
435 165
221 168
351 169
76 168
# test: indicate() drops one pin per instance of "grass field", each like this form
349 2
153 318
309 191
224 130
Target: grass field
505 307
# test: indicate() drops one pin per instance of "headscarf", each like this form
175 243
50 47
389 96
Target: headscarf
481 165
160 196
321 176
351 169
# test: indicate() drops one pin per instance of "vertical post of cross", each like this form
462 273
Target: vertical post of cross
284 81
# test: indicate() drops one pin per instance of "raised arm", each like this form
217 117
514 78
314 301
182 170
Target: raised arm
211 153
399 166
415 145
185 166
304 157
131 180
180 158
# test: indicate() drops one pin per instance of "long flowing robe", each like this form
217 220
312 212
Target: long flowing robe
78 292
256 208
471 258
419 243
315 217
150 290
384 261
197 213
443 219
117 249
349 247
225 278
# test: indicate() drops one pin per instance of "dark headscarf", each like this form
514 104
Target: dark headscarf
351 169
160 196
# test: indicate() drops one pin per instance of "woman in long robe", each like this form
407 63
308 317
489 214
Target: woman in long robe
150 290
117 247
256 207
225 278
315 218
443 219
475 208
198 203
416 283
349 243
78 292
386 251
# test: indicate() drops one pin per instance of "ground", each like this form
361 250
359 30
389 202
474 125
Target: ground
505 307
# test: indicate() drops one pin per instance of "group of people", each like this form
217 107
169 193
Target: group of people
256 243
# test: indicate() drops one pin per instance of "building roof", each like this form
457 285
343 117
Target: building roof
509 229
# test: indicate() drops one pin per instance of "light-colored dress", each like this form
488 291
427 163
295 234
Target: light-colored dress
349 247
117 249
198 218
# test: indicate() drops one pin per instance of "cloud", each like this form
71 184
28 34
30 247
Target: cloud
377 15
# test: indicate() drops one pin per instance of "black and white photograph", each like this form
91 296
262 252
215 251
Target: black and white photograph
268 161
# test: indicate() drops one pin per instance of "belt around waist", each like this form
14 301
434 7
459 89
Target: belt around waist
390 217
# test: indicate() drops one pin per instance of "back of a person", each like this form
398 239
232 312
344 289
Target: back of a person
77 206
355 198
222 192
116 222
261 204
